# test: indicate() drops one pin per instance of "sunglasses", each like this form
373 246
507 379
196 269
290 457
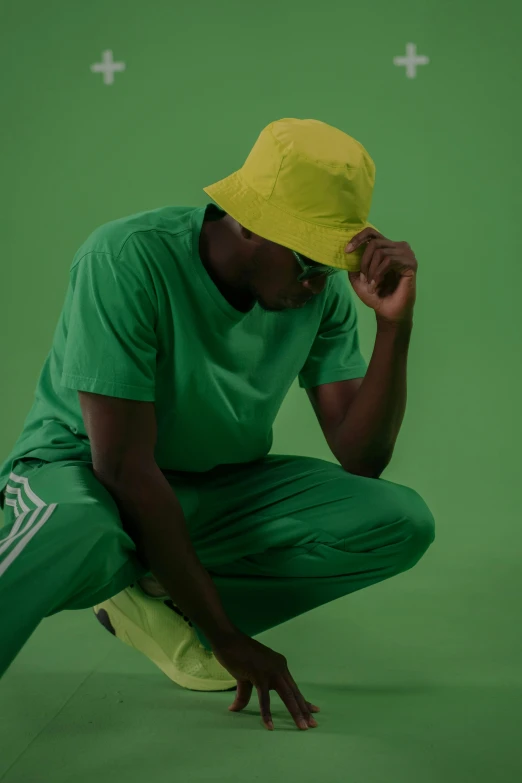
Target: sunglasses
313 269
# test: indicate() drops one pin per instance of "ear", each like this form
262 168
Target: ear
250 236
245 232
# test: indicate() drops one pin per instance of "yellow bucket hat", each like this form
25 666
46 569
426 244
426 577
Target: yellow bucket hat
305 185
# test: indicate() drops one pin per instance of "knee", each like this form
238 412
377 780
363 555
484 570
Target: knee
104 553
108 536
95 534
418 535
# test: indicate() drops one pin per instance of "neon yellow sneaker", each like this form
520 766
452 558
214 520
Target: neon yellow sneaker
160 630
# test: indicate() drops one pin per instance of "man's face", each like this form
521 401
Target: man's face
273 279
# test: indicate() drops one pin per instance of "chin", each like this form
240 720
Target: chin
272 308
282 304
293 305
288 304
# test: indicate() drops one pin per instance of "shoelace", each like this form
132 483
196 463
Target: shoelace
176 609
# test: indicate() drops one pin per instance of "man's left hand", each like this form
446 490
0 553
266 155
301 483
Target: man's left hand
393 267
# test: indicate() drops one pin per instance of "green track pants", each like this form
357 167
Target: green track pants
278 536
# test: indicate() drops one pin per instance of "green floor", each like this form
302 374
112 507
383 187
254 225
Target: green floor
414 684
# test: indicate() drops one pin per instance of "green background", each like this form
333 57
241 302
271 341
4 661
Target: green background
419 678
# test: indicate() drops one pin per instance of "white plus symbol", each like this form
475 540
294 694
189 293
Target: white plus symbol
107 67
411 60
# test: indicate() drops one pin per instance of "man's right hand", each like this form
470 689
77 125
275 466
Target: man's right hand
254 664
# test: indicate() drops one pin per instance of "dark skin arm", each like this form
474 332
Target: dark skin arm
331 401
361 418
122 434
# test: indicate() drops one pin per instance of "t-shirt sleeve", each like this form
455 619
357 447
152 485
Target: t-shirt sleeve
335 353
110 345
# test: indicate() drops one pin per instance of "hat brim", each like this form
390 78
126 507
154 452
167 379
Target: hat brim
320 243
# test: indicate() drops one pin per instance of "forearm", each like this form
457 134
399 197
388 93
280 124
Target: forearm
153 517
366 437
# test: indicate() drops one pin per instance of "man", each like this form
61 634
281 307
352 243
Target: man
142 483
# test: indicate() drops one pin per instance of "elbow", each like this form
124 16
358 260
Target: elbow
357 471
372 469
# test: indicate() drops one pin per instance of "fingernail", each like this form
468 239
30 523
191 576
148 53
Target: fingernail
349 247
303 724
270 724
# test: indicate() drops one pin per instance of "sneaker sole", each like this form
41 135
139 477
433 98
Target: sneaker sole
120 625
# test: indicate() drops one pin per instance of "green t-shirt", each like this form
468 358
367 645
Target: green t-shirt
143 320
